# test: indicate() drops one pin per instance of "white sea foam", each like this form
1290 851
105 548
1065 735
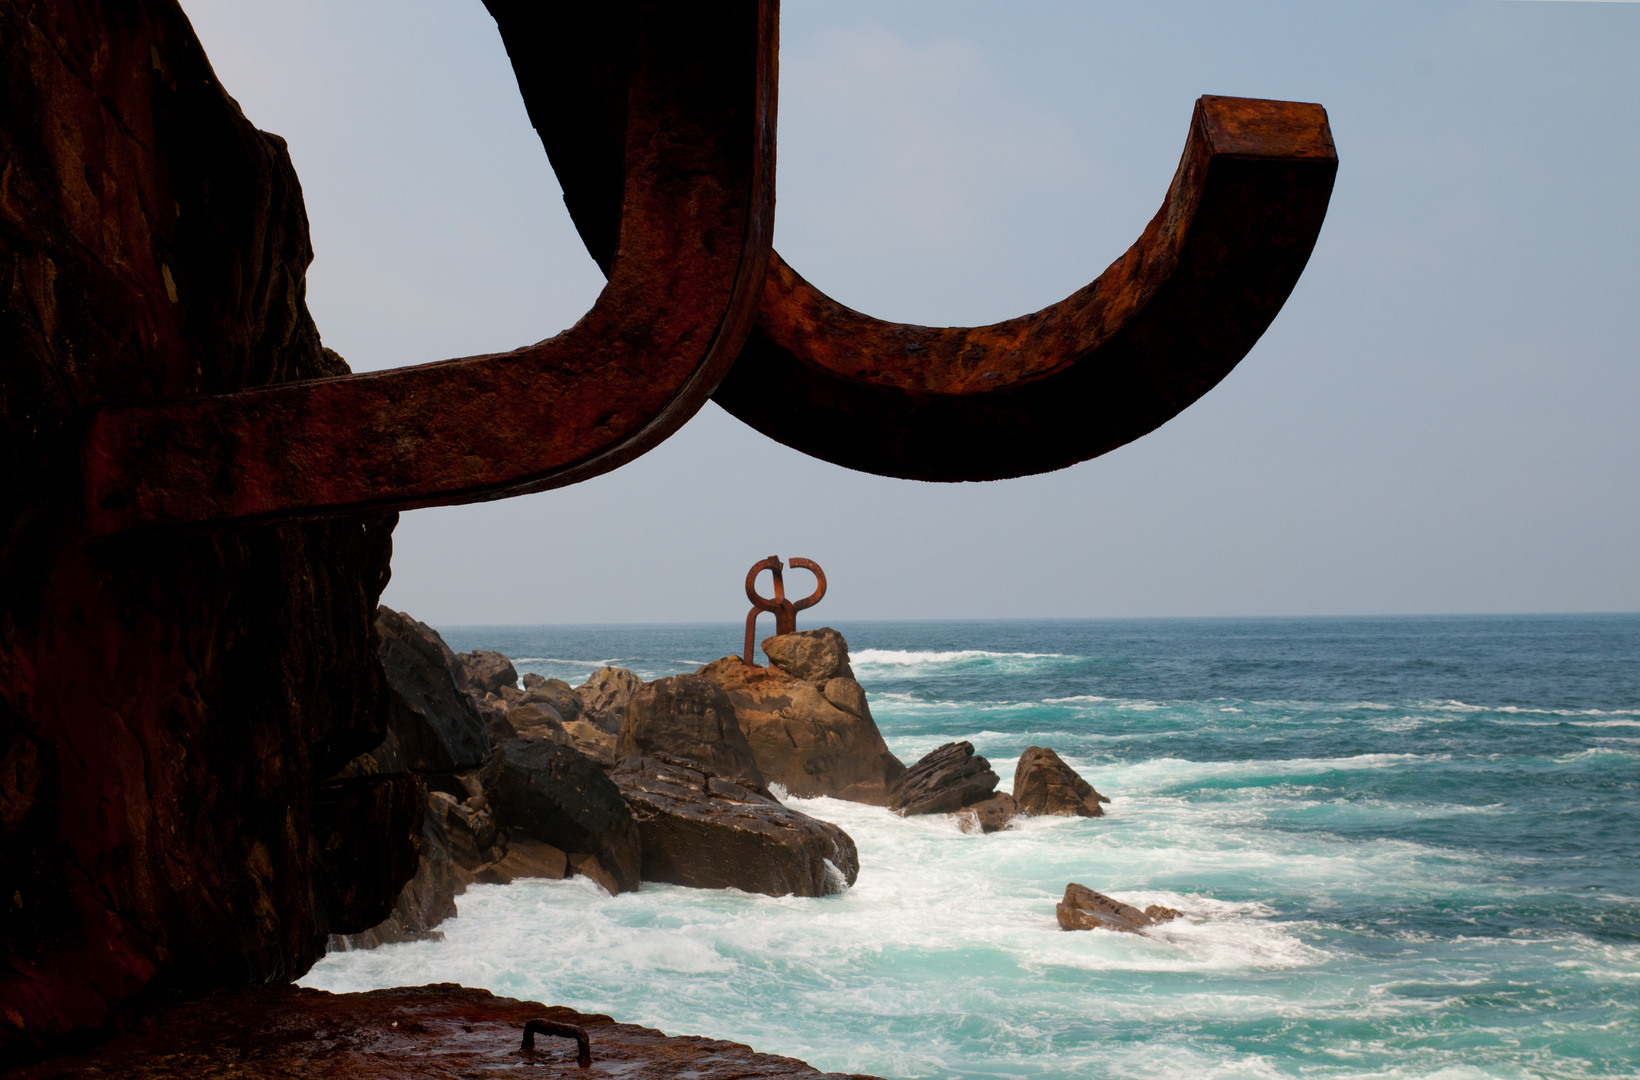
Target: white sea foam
918 657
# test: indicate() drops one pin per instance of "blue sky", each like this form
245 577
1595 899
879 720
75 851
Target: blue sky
1445 417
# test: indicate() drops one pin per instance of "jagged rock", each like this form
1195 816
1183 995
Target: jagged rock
485 672
167 701
1084 909
688 717
556 795
1044 784
605 696
988 815
943 782
540 720
807 739
526 858
554 694
407 1033
435 726
426 900
595 743
811 655
703 829
588 866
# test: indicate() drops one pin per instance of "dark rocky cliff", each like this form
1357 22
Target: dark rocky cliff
170 706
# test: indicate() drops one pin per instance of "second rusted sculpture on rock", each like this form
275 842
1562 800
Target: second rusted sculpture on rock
784 610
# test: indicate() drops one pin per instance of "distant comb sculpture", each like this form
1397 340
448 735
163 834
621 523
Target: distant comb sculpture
659 121
784 610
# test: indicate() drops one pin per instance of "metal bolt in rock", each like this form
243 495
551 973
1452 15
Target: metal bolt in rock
784 610
583 1044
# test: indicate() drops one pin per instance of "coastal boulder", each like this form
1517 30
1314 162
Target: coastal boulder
554 694
485 672
811 655
811 738
943 782
434 727
1044 784
705 829
688 717
426 900
555 795
988 815
1084 909
605 696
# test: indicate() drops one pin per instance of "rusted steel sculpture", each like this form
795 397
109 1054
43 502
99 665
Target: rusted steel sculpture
784 610
661 130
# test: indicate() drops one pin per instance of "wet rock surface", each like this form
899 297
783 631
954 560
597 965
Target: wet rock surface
688 717
947 779
554 794
168 703
811 737
708 831
438 1032
1044 784
434 724
1084 909
988 815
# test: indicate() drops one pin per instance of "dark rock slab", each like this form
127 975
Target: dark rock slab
357 876
943 782
1084 909
605 696
1044 784
555 795
710 832
426 900
435 725
438 1032
988 815
689 717
811 655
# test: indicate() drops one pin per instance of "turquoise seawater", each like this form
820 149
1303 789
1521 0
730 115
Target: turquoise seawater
1405 848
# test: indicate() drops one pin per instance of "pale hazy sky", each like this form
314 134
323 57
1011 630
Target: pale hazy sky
1444 418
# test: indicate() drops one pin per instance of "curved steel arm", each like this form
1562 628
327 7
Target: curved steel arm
1108 364
697 101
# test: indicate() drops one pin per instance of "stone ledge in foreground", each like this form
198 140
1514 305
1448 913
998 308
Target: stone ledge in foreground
434 1032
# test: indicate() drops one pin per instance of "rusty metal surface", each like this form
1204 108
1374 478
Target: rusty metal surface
583 1045
696 210
784 610
1117 359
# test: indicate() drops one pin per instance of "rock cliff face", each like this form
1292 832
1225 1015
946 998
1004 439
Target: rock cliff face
170 706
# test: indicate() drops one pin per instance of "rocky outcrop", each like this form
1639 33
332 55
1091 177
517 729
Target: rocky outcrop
485 672
409 1033
169 704
1043 784
704 829
435 726
1084 909
426 900
553 794
988 815
943 782
815 656
806 719
688 717
605 696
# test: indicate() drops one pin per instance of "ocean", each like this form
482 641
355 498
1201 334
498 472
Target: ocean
1405 847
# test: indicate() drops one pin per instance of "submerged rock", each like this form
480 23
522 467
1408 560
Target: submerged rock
555 795
688 717
1084 909
605 696
706 830
1044 784
943 782
812 738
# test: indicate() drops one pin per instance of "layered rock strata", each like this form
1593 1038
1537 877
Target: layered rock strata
688 716
1084 909
707 830
1044 784
421 1032
944 781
